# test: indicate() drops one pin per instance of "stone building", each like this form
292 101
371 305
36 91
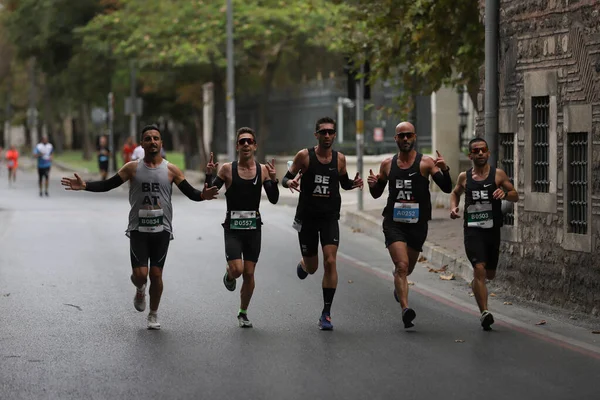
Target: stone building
549 127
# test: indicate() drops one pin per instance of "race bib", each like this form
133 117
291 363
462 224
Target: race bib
150 220
242 220
480 216
407 213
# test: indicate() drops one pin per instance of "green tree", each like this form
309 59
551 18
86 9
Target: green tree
420 44
181 33
66 74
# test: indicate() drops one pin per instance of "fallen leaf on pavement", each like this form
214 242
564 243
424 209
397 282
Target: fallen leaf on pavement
438 270
411 283
492 294
471 294
350 281
356 230
459 341
507 303
7 294
596 332
422 258
447 277
542 322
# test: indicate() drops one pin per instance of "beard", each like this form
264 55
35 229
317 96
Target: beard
405 147
480 162
325 145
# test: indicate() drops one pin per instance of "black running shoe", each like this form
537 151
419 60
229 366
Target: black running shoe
230 285
408 315
302 274
487 319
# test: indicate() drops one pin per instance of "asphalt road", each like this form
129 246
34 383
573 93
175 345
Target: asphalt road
68 329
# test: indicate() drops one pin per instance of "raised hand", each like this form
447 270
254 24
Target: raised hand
372 179
209 193
73 183
211 166
358 182
454 213
271 169
294 184
440 162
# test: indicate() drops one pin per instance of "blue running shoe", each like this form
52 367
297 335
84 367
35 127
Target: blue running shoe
325 322
302 274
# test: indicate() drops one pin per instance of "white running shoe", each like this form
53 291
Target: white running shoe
139 300
153 322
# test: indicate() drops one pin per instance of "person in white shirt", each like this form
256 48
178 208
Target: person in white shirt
43 152
138 153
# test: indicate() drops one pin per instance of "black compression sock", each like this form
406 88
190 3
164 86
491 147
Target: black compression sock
328 294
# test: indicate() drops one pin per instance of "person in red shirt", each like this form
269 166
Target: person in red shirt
12 162
128 150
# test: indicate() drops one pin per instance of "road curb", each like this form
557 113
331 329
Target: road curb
436 255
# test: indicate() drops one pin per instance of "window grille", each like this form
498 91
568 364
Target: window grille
507 142
541 156
577 196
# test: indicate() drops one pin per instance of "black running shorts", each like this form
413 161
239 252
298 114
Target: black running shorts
328 230
483 246
43 172
146 246
103 165
242 244
414 235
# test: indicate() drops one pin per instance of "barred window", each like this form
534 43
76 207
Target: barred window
577 196
507 142
541 156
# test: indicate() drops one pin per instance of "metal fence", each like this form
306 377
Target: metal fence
292 113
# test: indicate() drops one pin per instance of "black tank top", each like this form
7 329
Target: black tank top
481 210
409 200
320 189
243 194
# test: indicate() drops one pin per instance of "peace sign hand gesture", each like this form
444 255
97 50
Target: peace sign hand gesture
440 162
271 169
211 166
294 184
73 183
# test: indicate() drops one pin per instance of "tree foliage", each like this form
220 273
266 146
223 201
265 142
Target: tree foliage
182 33
423 44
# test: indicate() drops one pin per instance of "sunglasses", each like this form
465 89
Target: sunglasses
324 132
481 149
244 141
407 135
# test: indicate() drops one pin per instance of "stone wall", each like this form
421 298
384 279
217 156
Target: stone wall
551 48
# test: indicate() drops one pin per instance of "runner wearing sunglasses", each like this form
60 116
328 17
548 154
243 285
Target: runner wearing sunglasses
408 209
485 187
244 180
323 171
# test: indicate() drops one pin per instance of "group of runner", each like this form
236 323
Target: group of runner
43 152
317 173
